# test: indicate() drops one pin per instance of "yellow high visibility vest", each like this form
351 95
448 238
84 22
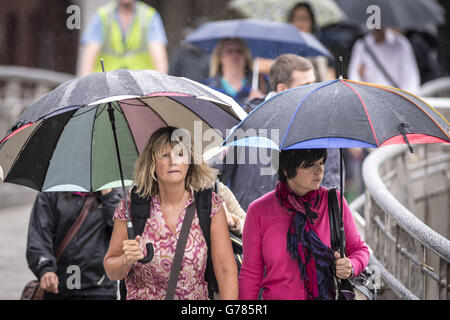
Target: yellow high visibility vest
119 52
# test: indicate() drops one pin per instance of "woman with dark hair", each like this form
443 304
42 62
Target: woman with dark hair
302 17
286 238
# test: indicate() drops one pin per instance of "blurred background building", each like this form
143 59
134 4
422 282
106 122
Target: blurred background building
34 33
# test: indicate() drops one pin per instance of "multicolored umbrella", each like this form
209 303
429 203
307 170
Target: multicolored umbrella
341 114
87 133
64 141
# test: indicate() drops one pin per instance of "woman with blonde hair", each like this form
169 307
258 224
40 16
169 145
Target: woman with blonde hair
230 70
169 172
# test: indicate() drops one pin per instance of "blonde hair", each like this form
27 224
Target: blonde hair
199 176
214 63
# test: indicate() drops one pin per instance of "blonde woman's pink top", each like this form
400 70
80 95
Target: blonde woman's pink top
149 281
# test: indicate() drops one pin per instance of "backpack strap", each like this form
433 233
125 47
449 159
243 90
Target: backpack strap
140 212
203 205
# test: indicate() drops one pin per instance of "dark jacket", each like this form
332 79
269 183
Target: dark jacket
52 216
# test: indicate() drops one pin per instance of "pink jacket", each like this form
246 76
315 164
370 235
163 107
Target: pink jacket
265 250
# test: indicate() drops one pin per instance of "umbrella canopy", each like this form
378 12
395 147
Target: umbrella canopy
266 39
325 11
402 14
65 142
340 114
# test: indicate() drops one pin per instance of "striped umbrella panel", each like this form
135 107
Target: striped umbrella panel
341 114
75 150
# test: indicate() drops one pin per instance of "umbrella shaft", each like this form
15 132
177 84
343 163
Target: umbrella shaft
341 227
112 119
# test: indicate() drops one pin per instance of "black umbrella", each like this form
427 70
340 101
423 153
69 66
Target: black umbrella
402 14
86 134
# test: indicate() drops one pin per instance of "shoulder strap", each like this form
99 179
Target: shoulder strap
333 212
378 63
179 252
88 205
203 204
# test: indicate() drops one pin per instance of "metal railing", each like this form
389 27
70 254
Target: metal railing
19 88
411 250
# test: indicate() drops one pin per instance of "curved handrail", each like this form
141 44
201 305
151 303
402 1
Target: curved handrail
434 86
33 74
391 206
388 277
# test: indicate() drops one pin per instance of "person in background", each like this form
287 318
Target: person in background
385 56
188 60
126 34
302 267
302 17
231 70
52 216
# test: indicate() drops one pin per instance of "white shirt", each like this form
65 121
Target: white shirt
394 53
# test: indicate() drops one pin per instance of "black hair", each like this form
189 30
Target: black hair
307 6
291 160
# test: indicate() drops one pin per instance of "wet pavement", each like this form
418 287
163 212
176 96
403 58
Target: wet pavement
14 272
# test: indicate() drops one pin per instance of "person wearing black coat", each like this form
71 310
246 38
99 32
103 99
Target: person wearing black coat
79 272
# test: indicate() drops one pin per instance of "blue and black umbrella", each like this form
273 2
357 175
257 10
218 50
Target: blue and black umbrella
340 114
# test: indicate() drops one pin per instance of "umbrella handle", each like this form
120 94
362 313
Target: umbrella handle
149 245
255 75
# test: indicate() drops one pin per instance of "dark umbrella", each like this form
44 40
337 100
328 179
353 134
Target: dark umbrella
87 133
266 39
402 14
340 114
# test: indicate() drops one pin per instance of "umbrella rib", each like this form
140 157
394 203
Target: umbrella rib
298 107
391 89
365 110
